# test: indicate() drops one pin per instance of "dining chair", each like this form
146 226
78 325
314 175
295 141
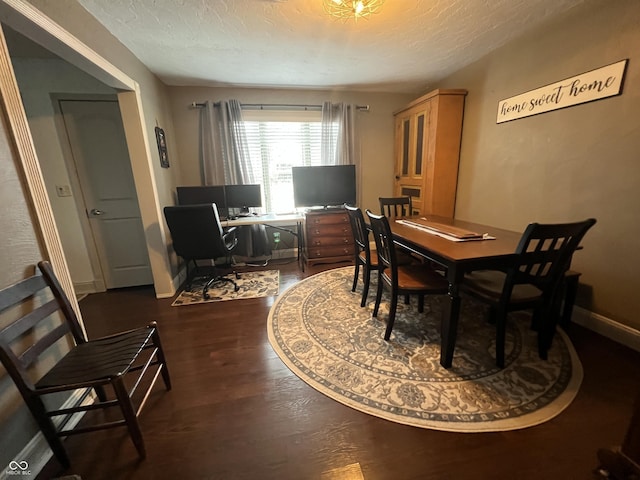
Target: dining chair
42 322
197 234
533 280
365 257
407 279
395 206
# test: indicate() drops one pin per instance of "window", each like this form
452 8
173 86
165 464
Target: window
277 141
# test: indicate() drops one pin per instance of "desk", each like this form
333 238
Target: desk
457 258
274 221
270 219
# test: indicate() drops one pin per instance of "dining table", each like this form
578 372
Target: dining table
460 247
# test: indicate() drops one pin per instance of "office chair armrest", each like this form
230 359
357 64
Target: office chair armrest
229 232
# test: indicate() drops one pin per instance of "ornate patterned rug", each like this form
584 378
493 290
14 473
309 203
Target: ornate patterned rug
321 333
251 285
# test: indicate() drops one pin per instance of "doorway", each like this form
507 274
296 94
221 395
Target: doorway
98 162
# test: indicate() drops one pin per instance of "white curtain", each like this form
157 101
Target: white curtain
339 141
223 144
225 161
338 134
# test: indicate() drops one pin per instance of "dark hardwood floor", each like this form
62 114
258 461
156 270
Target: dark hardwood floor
236 412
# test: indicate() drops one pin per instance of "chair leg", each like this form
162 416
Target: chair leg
356 272
407 299
129 414
378 295
570 292
547 328
420 303
49 431
366 277
392 316
161 358
501 329
102 395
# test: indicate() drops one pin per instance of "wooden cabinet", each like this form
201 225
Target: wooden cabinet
427 149
328 237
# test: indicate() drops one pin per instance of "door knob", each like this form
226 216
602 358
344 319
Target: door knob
95 212
397 177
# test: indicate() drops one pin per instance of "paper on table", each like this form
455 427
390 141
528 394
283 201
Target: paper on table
440 233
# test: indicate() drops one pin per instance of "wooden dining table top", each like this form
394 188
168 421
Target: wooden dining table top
501 246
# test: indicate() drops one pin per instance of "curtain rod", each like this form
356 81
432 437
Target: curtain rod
279 106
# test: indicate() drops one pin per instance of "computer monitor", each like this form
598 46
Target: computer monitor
243 196
203 194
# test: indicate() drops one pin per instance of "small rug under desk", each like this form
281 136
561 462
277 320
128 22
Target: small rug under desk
251 285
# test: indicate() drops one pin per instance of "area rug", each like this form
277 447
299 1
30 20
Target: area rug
251 285
321 333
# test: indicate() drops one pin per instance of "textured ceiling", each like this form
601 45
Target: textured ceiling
411 44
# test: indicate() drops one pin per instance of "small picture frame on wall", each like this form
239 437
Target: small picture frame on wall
162 147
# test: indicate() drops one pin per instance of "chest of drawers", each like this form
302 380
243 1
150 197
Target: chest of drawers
328 237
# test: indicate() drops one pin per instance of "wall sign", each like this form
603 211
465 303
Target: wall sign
586 87
161 139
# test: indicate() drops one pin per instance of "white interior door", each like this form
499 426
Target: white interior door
99 150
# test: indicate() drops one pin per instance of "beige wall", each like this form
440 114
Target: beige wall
156 111
375 128
570 164
20 252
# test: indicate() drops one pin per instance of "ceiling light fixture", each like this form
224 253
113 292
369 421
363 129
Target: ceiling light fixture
345 9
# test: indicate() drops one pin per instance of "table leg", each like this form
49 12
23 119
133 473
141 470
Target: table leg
449 327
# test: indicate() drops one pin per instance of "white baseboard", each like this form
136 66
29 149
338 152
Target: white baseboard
606 327
176 282
284 253
37 452
85 288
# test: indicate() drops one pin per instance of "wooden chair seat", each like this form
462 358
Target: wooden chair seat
373 260
98 360
489 283
418 278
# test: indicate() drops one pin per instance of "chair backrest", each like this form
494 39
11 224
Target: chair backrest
395 206
384 243
32 299
196 231
360 231
545 251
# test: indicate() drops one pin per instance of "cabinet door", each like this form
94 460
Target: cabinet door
412 144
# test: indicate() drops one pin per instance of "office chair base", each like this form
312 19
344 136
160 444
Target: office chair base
205 293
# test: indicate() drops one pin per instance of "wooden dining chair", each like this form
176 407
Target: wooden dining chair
45 324
406 279
532 281
395 206
365 257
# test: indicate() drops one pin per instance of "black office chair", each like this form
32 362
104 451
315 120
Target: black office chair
197 235
395 206
532 281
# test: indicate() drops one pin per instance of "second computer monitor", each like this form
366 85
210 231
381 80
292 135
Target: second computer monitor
201 194
243 196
